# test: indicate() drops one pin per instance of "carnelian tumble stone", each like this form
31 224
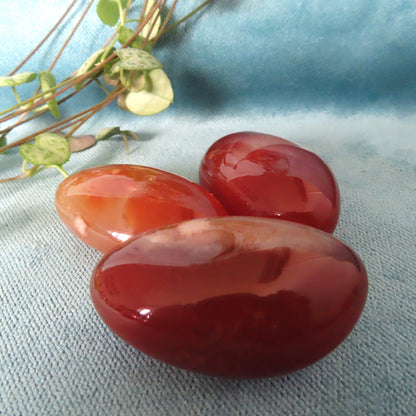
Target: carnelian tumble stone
232 296
266 176
106 205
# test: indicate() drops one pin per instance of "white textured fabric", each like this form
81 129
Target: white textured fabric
340 81
57 357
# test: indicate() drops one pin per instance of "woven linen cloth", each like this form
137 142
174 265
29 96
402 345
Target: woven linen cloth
339 78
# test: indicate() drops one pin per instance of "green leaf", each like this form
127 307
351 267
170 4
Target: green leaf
109 12
125 33
148 102
17 79
49 149
114 71
134 80
137 60
139 81
108 132
90 62
47 81
88 65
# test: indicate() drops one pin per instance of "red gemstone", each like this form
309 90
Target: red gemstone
266 176
107 205
232 296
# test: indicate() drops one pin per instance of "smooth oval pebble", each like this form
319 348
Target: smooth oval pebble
232 296
262 175
107 205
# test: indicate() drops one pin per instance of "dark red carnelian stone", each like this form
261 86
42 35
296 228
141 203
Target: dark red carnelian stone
107 205
266 176
232 296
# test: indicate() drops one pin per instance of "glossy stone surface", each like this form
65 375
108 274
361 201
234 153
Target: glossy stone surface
232 296
266 176
105 206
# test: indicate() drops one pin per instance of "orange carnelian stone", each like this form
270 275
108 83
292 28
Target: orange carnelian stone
266 176
107 205
232 296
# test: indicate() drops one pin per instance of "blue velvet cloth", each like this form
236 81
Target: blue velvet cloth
336 77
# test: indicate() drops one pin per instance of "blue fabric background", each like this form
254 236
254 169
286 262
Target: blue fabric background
338 78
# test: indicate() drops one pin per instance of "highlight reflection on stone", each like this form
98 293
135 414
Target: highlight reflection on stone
266 176
232 296
105 206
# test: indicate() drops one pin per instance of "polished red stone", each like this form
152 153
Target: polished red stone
232 296
266 176
105 206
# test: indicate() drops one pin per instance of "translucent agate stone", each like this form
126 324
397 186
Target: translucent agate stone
107 205
232 296
262 175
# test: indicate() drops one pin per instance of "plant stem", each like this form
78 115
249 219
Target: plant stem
15 178
109 46
21 121
16 95
64 46
169 15
23 115
120 10
102 86
180 21
99 107
154 17
143 12
25 174
144 20
62 87
44 39
59 124
71 35
81 122
65 85
61 170
126 142
35 98
79 119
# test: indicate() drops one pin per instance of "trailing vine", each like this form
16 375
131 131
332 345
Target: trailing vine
129 74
